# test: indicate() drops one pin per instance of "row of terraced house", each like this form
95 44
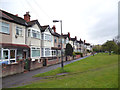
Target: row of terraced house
22 38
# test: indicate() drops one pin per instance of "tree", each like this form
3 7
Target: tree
110 46
97 48
118 48
68 50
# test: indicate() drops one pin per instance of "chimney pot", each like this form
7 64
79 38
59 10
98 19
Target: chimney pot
27 17
69 34
54 28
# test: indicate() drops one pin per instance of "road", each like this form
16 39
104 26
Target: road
26 78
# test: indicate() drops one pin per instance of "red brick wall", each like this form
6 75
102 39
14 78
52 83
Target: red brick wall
51 62
11 69
36 64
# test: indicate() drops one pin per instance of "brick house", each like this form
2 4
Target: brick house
56 48
13 40
46 41
33 37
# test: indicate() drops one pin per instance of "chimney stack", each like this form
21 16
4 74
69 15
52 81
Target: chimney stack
69 34
84 41
54 28
76 37
80 39
27 17
16 15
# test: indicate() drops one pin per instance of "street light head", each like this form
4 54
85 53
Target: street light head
55 20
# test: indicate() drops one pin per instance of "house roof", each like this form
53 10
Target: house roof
33 22
55 34
72 39
65 35
43 28
87 44
12 18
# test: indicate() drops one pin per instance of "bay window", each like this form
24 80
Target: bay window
59 40
47 51
12 54
35 52
33 33
42 52
5 54
48 37
53 52
8 55
4 27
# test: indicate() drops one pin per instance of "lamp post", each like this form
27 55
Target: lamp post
61 41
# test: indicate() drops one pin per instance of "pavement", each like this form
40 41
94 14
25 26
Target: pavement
26 78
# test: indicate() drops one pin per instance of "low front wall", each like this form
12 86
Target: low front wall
11 69
36 64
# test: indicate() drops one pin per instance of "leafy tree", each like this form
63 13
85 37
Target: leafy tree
118 50
97 48
110 46
68 50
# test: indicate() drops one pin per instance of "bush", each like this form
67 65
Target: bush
79 53
74 54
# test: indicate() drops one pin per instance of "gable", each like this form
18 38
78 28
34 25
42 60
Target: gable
35 26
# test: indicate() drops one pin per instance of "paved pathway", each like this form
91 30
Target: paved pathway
26 78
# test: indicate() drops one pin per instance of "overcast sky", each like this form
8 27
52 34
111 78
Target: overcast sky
92 20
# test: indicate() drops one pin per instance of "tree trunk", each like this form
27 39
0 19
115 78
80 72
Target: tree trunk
109 52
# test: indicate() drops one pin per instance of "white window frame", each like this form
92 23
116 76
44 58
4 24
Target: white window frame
5 26
2 50
37 32
36 48
48 37
47 51
19 29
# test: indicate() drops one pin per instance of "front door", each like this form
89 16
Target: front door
24 55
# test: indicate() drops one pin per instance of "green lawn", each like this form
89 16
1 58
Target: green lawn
99 71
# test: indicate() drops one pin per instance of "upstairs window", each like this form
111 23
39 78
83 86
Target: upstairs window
63 41
55 40
38 34
4 27
29 33
42 36
19 31
33 33
59 40
48 37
